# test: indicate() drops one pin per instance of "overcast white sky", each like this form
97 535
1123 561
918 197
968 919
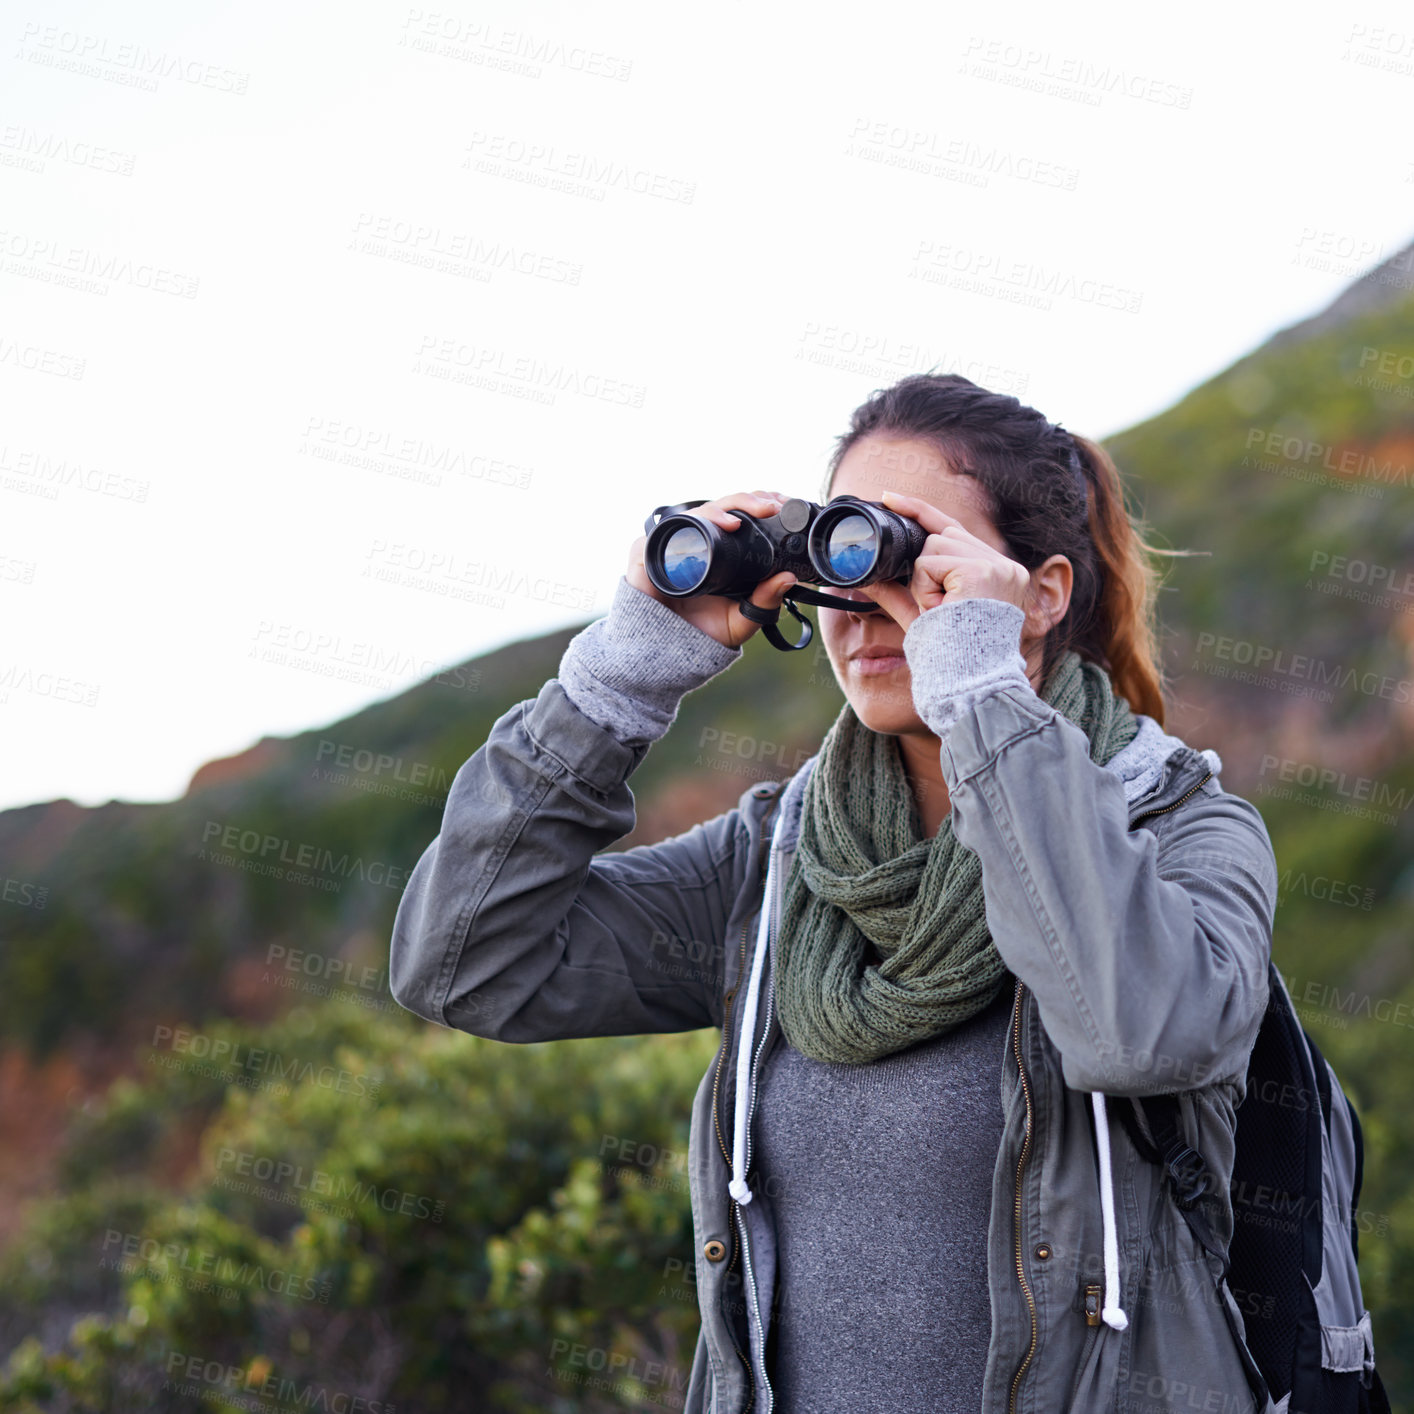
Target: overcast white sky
339 342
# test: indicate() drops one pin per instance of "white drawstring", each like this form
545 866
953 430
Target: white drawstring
1113 1315
738 1186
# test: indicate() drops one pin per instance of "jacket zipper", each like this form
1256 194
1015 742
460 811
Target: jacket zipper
1093 1298
1163 810
750 1277
750 1377
1020 1163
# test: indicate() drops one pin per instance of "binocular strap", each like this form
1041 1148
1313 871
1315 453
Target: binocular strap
767 618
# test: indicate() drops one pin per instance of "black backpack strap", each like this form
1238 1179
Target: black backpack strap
1189 1177
1323 1086
1379 1399
1323 1080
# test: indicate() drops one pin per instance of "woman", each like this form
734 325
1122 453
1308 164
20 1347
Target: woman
998 894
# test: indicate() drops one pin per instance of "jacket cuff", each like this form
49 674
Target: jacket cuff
628 671
960 653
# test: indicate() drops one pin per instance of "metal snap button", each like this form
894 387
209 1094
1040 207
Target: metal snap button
1043 1253
714 1251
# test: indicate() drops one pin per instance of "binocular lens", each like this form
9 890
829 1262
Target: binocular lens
685 558
852 547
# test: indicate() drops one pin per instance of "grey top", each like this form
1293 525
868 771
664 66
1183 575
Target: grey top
880 1181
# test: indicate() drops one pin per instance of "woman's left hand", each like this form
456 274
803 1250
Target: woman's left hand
954 565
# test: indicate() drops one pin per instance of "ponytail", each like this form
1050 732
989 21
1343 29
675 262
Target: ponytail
1124 622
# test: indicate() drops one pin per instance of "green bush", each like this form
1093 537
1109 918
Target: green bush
467 1224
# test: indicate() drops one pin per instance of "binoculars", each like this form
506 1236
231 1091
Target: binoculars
846 543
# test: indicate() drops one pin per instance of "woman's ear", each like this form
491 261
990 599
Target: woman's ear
1049 596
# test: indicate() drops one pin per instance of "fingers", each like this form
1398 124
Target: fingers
937 564
771 593
930 576
637 575
896 601
755 503
924 512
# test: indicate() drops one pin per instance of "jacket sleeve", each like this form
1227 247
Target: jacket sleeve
1147 950
513 926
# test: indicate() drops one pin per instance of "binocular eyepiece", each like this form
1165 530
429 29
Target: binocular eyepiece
846 543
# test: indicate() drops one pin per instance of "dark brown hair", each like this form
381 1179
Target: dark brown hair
1030 491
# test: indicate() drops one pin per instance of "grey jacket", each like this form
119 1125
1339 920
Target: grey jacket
1133 903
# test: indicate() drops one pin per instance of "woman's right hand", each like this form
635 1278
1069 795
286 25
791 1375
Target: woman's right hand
712 613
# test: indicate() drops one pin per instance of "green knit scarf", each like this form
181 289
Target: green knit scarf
883 939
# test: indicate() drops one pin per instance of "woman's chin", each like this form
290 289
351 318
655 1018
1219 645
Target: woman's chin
884 704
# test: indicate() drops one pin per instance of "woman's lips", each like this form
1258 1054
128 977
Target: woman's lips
873 664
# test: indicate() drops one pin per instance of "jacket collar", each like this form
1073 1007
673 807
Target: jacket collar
1157 766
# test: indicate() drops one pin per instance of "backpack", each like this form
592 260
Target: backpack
1299 1160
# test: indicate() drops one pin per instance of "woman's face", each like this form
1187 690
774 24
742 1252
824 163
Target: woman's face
866 650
